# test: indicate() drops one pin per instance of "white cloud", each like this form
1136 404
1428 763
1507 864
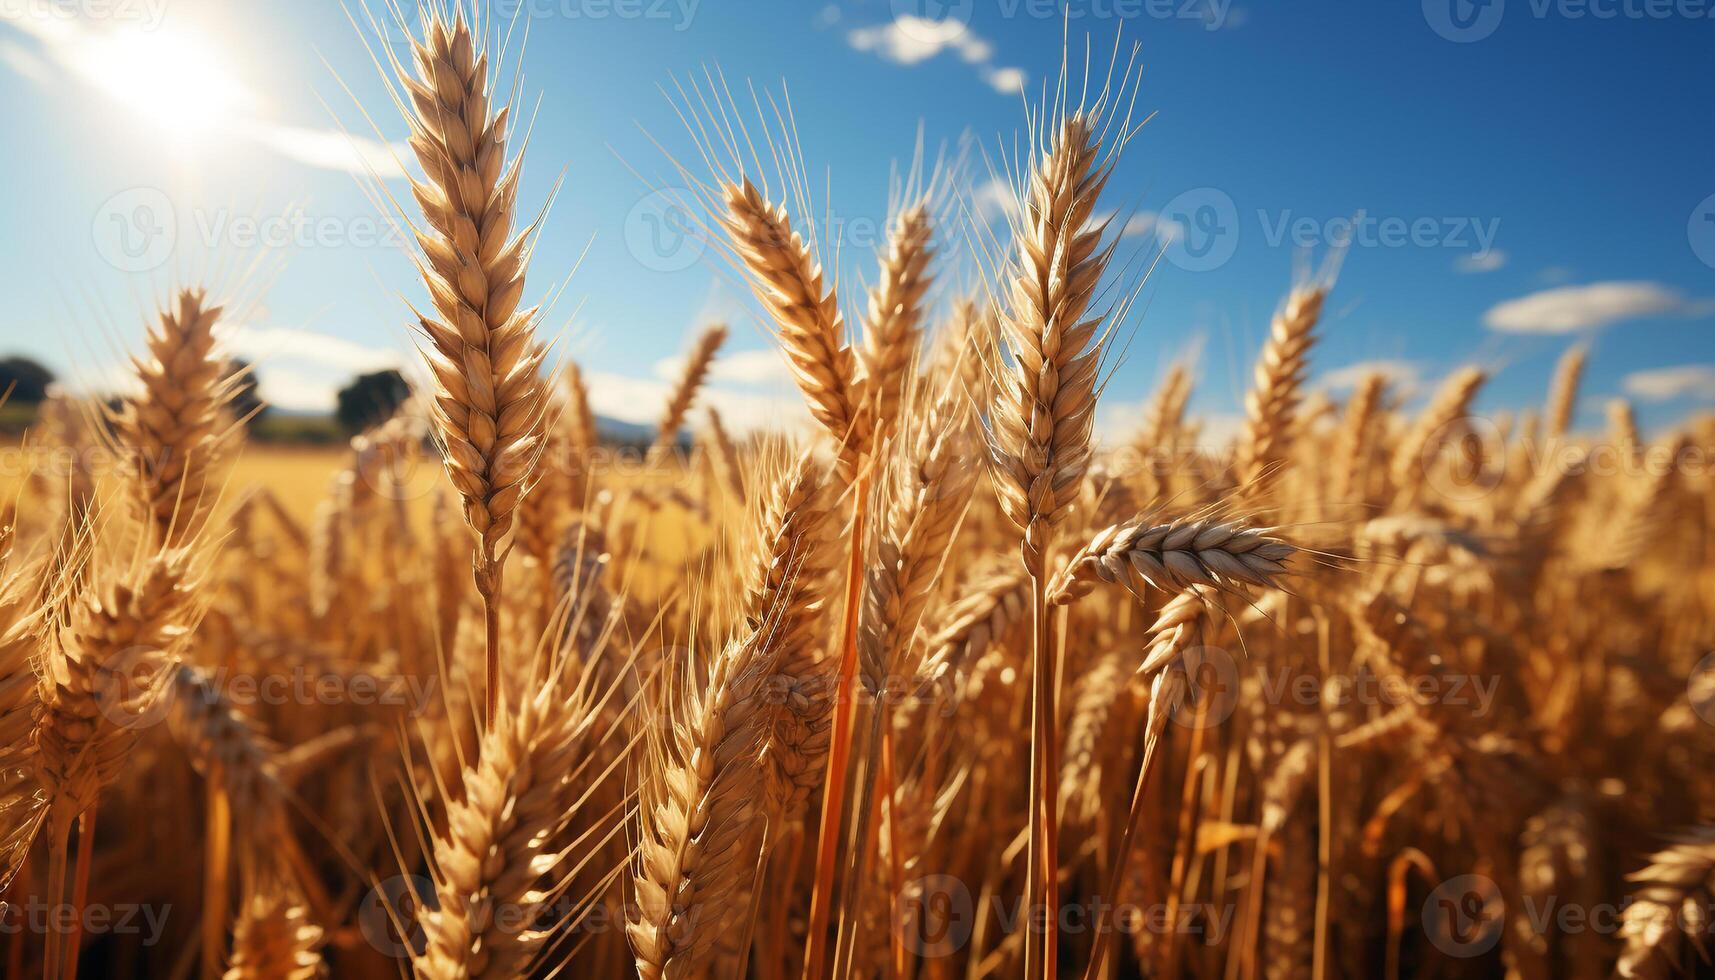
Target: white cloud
1142 225
331 150
262 344
1571 309
1405 377
639 401
911 40
1486 261
745 367
1006 80
298 391
1666 384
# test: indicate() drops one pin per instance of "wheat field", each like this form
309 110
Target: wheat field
940 687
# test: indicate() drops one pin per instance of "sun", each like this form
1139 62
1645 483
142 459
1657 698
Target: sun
173 79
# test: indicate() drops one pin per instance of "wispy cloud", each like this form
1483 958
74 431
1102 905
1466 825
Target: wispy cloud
1573 309
639 401
174 77
911 40
303 370
1404 377
1666 384
1485 261
329 149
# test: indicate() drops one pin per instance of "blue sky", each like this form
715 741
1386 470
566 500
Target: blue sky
1533 173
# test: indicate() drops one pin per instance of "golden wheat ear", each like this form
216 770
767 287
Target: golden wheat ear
178 428
490 397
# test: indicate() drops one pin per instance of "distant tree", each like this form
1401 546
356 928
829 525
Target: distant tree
27 379
246 400
371 400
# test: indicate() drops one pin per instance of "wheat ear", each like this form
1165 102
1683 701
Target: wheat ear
490 399
1353 444
727 464
273 938
1563 394
700 815
1671 899
1272 402
501 841
892 326
696 371
176 430
101 678
926 496
788 280
1174 556
1041 419
785 597
1429 433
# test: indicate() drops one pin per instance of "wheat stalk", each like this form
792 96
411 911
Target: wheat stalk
1173 556
178 428
892 332
490 400
1420 447
1563 395
1272 402
696 371
788 281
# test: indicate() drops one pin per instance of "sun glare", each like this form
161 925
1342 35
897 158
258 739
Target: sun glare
174 80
